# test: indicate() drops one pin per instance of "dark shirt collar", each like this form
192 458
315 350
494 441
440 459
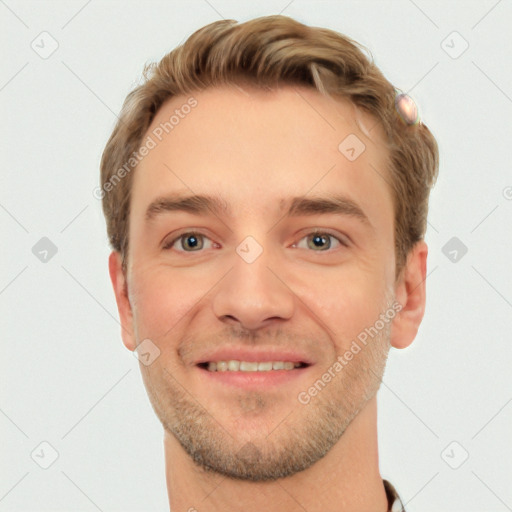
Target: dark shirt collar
394 501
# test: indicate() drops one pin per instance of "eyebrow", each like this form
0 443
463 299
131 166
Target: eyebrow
298 206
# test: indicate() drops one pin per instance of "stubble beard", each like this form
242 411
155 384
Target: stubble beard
302 436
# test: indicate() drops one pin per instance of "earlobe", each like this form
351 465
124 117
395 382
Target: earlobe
119 284
410 292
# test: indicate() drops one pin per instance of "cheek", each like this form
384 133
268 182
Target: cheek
348 303
161 299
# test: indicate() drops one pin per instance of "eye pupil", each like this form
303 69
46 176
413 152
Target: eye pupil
192 241
320 241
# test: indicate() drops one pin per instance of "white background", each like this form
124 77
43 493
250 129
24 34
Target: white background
67 379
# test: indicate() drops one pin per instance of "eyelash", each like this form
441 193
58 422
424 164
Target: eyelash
169 245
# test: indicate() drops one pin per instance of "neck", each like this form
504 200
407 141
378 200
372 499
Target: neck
348 476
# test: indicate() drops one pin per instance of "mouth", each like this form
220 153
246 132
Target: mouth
251 366
268 376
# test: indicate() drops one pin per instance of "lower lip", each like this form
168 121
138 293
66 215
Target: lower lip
255 380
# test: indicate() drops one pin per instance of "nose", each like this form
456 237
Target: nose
253 295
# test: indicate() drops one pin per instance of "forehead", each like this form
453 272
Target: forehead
256 148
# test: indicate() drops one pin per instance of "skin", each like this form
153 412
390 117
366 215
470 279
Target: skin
228 448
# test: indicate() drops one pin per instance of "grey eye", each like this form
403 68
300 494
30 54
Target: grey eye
192 241
319 242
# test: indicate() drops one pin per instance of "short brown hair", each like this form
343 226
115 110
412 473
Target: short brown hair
274 51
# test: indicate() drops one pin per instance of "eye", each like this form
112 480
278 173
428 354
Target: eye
192 241
189 242
320 240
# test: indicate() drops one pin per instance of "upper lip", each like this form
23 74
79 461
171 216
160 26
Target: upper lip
254 355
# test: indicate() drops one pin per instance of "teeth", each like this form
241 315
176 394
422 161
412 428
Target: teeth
222 366
234 366
246 366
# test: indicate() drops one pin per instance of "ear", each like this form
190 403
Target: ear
124 307
410 293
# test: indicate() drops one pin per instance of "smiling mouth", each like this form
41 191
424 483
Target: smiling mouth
250 366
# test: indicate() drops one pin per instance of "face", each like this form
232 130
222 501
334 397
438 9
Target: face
289 262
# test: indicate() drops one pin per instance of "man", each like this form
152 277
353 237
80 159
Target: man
266 194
